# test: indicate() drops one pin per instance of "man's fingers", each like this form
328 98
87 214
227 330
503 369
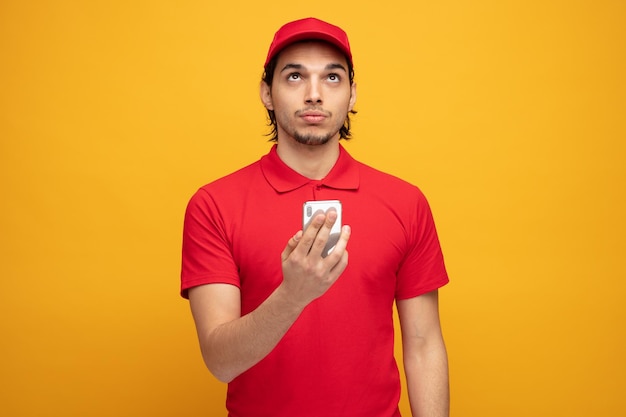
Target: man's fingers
312 241
310 233
323 233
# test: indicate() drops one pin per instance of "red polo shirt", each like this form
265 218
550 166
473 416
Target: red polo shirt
337 358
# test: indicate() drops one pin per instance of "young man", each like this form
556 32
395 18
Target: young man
292 332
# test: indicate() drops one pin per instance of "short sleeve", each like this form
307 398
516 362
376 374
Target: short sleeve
422 269
207 249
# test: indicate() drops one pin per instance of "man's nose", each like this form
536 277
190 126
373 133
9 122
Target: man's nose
314 92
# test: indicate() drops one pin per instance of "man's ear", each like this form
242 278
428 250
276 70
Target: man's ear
266 96
352 97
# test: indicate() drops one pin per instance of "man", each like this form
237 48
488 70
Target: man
294 333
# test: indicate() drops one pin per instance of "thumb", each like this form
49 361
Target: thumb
291 245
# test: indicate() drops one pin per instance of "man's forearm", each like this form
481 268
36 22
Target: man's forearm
427 380
234 347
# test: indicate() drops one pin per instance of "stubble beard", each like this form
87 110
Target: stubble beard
313 140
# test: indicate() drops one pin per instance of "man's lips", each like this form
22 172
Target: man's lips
312 116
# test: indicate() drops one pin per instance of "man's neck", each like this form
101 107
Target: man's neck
311 161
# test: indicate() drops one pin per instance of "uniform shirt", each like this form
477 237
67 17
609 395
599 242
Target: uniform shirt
337 358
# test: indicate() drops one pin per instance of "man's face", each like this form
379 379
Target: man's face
311 93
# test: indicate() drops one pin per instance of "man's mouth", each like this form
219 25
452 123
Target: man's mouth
312 116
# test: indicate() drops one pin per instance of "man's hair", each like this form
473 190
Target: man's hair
268 77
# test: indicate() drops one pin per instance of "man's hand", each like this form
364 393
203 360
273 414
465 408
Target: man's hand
306 274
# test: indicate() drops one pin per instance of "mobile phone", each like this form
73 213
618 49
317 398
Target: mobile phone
311 208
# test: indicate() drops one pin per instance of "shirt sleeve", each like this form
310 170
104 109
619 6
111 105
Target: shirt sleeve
207 250
423 269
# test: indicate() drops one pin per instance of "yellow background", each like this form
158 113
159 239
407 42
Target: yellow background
508 114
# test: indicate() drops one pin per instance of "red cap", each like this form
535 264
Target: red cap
309 29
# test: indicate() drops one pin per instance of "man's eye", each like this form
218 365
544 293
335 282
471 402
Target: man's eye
334 78
294 76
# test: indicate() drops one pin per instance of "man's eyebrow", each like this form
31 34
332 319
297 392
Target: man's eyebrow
292 66
336 66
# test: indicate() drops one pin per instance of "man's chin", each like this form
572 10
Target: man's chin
313 140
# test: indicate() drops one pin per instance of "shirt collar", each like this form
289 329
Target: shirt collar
344 175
